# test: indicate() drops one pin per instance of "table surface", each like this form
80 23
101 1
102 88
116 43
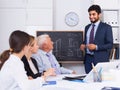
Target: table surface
71 85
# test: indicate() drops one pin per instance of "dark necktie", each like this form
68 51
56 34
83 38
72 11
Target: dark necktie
91 39
53 65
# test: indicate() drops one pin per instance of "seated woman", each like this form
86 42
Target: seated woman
30 63
12 73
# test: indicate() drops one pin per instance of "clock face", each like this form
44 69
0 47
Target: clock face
71 19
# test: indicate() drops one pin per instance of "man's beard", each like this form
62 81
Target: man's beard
94 21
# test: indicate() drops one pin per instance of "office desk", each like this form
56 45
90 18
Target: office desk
70 85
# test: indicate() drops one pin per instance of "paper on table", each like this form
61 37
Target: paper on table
49 83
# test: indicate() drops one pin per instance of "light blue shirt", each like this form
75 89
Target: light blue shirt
44 63
88 33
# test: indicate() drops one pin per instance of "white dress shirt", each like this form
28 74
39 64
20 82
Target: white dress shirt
44 63
13 76
32 66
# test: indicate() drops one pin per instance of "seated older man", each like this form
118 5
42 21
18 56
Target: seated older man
45 57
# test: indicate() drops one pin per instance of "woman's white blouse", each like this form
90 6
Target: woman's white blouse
13 76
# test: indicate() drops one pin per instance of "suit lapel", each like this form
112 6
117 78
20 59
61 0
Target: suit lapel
97 32
35 64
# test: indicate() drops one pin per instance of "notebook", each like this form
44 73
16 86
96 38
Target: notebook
74 77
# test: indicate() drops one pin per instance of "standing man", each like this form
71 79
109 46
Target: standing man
45 57
98 39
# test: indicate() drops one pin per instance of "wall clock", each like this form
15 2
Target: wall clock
71 19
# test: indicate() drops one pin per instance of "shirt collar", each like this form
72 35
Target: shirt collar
45 52
97 23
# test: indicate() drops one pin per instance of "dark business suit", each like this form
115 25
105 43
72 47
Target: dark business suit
104 41
28 69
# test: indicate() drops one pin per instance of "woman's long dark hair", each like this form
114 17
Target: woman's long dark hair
17 41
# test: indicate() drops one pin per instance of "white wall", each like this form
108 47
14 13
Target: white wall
7 25
107 4
27 15
39 15
62 7
111 14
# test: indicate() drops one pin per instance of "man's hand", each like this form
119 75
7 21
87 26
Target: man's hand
82 47
91 46
73 72
50 72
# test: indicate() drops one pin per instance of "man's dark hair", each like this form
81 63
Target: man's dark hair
95 8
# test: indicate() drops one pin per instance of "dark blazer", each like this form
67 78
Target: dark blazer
104 41
28 69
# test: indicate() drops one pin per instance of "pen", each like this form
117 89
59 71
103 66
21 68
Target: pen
93 68
100 70
97 76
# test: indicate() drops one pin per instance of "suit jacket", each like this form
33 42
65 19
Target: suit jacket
28 69
104 40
